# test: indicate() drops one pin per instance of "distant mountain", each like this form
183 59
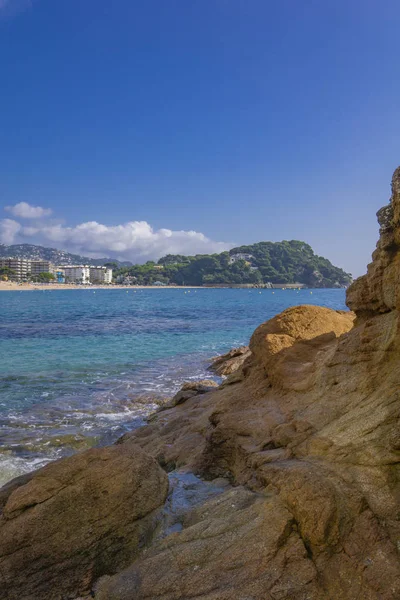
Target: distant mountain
58 257
286 262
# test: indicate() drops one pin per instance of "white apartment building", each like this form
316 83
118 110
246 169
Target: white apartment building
100 275
76 273
20 266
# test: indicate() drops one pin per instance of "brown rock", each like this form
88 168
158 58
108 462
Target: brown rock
193 388
231 361
76 519
290 346
379 289
188 390
235 546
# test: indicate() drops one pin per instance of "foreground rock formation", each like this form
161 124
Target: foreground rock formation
308 433
305 428
67 524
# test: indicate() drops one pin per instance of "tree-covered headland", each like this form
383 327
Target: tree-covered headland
258 264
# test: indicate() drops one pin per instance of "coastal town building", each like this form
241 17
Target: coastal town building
102 275
40 266
84 274
126 280
76 274
240 256
19 267
60 276
23 268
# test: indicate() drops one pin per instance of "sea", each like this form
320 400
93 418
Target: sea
79 368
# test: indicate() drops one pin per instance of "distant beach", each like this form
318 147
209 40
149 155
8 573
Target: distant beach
10 286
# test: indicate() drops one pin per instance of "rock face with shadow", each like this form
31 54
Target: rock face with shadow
70 522
228 363
309 437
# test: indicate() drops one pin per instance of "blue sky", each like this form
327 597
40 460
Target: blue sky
135 124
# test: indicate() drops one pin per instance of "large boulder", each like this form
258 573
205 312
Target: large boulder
76 519
287 346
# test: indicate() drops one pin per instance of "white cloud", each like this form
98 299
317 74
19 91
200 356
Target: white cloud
8 230
136 240
26 211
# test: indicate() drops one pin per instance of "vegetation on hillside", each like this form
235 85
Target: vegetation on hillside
6 273
266 262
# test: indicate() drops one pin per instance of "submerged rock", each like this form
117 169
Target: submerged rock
70 522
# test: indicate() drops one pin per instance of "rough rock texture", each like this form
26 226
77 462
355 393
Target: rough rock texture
190 389
230 362
65 525
379 289
228 549
310 434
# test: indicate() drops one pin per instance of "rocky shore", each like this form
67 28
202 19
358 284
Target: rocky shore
300 446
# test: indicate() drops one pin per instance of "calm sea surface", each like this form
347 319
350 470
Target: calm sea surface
79 368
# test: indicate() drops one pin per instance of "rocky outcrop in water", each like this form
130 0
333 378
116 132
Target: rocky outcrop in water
193 388
67 524
228 363
309 436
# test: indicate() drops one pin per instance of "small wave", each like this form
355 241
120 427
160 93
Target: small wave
13 466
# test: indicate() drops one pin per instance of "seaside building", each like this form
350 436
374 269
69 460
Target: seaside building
20 267
41 266
240 256
76 273
102 275
126 280
60 276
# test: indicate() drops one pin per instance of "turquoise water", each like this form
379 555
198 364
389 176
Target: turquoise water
80 367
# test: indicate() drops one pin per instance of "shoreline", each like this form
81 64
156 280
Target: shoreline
7 286
28 287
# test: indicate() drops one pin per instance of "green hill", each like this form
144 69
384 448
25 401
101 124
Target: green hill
266 262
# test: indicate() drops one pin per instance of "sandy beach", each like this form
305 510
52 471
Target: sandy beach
10 286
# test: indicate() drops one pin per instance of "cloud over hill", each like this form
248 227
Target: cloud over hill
136 241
